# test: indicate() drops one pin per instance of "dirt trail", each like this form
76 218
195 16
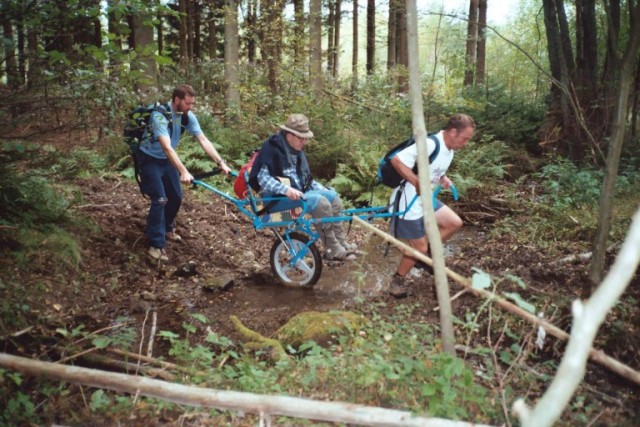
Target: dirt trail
117 281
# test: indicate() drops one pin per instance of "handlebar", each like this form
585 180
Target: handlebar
454 191
212 172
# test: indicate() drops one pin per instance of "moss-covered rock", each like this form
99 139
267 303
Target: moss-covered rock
320 327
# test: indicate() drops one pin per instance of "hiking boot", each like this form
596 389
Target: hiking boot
397 287
338 230
158 254
174 237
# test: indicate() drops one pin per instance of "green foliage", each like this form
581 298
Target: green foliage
36 211
18 406
480 163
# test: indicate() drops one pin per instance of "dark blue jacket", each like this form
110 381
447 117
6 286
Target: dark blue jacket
275 153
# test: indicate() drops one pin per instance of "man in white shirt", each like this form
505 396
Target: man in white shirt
410 226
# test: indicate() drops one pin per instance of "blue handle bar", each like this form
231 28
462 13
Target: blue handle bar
454 192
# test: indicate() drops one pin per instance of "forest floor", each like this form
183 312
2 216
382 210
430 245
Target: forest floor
116 280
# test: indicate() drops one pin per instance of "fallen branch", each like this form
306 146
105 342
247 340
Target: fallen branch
107 362
596 355
152 333
337 412
453 298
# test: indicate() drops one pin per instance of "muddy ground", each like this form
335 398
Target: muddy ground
116 280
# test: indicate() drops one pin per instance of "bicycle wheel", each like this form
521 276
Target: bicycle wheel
307 269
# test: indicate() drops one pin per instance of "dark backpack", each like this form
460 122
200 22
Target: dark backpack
138 123
388 175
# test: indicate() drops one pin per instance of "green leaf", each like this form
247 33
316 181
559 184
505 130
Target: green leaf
505 357
101 341
515 279
428 390
480 280
199 317
168 334
515 297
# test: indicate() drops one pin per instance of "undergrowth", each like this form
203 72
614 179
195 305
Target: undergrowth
390 362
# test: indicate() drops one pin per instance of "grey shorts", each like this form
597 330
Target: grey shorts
410 229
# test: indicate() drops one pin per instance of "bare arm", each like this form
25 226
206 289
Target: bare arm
211 151
165 143
405 172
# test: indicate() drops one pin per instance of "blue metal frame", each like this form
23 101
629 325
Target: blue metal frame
249 207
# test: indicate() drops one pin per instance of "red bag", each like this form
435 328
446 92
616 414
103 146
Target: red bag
240 186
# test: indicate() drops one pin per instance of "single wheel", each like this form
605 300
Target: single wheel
307 269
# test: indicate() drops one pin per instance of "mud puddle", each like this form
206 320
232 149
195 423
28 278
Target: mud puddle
366 277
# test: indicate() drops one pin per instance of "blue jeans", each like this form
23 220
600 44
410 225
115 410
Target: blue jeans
161 182
311 197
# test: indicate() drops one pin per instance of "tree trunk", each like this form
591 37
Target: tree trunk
197 30
250 30
354 55
612 8
618 125
330 38
11 65
482 43
402 51
391 35
145 50
231 56
472 41
420 134
336 38
189 29
160 34
298 31
557 62
34 70
272 26
183 53
371 36
586 50
315 46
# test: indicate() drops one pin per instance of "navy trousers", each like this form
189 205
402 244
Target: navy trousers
161 182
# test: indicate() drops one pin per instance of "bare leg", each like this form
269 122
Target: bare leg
448 224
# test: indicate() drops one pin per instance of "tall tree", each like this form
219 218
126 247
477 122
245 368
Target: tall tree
371 36
330 35
337 19
472 43
481 56
250 30
402 51
628 66
420 134
231 55
145 51
183 33
196 14
315 46
298 31
354 55
272 27
391 34
11 64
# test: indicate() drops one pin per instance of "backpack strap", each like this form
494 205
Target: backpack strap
432 156
435 153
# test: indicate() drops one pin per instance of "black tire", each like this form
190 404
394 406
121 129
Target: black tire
308 270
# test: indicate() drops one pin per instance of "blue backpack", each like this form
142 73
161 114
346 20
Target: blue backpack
388 175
